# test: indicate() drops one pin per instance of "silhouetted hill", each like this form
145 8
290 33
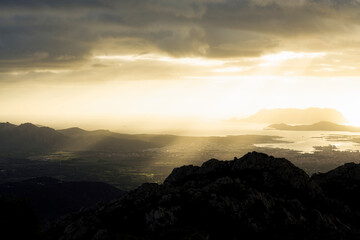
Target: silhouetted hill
156 140
296 116
73 132
342 183
78 132
320 126
6 126
53 198
27 139
104 140
254 197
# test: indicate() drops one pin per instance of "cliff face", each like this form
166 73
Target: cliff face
256 196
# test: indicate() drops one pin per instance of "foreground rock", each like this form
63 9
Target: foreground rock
254 197
342 184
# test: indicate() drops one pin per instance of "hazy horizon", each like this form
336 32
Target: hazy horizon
253 124
175 65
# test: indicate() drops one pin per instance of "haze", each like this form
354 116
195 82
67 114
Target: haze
170 64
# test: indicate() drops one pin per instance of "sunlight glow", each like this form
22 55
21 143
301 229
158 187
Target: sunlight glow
159 58
228 70
274 59
195 98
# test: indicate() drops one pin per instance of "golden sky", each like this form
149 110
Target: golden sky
109 64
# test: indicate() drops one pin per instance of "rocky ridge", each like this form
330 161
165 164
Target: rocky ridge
256 196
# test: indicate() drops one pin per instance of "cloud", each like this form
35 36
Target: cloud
67 34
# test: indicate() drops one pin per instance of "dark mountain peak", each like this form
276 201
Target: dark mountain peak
214 165
280 168
73 132
181 173
258 161
102 131
74 129
348 171
27 126
6 126
33 129
266 168
254 197
28 139
341 183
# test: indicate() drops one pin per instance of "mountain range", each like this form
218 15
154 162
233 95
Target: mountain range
28 139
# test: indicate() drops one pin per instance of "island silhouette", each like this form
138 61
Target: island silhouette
320 126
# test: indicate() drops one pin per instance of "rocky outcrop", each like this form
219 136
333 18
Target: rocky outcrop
342 184
347 172
254 197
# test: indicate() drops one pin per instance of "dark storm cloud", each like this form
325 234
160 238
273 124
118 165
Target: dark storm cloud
53 33
36 4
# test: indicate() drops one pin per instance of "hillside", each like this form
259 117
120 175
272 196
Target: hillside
295 116
27 140
254 197
6 126
320 126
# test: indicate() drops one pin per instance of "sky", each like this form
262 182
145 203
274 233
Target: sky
128 64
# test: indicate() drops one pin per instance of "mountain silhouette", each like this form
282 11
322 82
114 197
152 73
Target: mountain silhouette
254 197
73 132
342 183
27 139
6 126
30 140
320 126
295 116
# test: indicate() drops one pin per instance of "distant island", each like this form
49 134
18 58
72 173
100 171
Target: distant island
320 126
295 116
